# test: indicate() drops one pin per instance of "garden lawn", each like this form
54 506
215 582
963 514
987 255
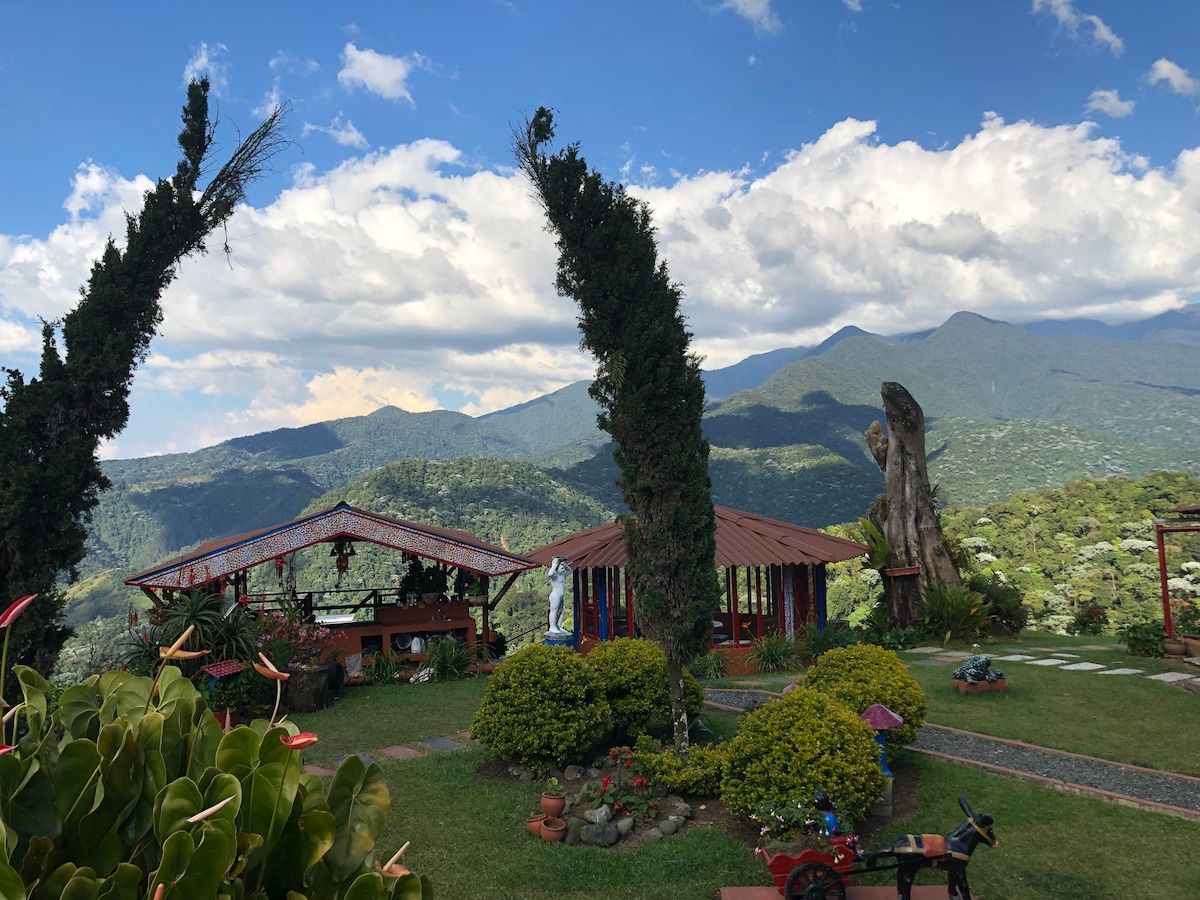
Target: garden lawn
1124 718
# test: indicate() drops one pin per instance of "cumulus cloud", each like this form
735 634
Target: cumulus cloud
1176 77
1078 24
403 277
757 12
345 134
206 61
379 73
1110 103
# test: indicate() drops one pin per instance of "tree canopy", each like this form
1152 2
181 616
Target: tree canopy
51 426
649 389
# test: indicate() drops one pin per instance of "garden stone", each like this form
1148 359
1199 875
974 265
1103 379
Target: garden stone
652 836
624 826
583 797
593 772
599 815
668 826
573 773
574 831
683 811
602 834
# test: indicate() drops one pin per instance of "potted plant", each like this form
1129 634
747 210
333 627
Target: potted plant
554 799
229 696
1186 619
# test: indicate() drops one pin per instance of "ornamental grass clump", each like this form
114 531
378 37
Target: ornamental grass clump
864 675
794 746
542 707
632 673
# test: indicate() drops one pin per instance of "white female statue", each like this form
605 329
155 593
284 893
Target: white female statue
559 570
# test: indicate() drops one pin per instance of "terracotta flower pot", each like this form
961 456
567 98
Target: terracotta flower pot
1191 645
553 829
534 824
553 803
999 684
1176 646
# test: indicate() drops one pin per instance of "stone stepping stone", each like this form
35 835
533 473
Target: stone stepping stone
1071 655
1052 661
955 654
1122 672
367 760
314 769
924 650
400 751
1098 647
1014 657
1081 667
931 662
1170 677
441 743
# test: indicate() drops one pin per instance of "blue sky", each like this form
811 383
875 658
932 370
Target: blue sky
811 164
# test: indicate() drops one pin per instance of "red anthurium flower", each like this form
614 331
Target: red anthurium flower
5 748
299 741
394 869
10 614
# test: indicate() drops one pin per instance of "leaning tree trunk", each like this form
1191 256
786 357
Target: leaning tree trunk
912 529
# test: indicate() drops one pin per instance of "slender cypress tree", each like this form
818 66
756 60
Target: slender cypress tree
51 426
649 389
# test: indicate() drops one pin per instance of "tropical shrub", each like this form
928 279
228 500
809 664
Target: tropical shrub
774 652
383 667
796 745
1007 613
542 706
632 674
698 772
815 641
864 675
954 611
1146 639
130 784
1089 619
446 658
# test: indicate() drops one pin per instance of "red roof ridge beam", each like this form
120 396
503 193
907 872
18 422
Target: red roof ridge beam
225 557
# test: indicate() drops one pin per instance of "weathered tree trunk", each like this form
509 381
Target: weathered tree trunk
911 527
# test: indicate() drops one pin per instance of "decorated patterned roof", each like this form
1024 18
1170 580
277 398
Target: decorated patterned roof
226 556
743 539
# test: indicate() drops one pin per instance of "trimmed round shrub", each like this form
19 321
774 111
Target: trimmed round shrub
541 707
632 673
863 675
790 748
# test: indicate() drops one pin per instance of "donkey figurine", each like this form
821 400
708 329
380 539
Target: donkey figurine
951 852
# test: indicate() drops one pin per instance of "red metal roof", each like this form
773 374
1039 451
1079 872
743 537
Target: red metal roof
743 539
234 554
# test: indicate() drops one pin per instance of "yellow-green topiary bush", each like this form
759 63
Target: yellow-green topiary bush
793 746
632 673
542 706
699 771
865 674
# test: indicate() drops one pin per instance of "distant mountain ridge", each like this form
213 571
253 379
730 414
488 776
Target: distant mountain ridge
1008 409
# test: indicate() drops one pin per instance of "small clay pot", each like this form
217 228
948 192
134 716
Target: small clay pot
999 684
534 824
553 829
553 803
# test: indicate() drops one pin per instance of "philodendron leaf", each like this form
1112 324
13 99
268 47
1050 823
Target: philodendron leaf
34 689
84 885
79 709
368 886
174 805
121 767
190 870
11 887
123 884
359 800
222 787
411 887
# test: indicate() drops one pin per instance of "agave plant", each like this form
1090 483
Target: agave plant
131 790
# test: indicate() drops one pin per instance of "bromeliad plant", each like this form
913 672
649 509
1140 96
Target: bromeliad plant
130 790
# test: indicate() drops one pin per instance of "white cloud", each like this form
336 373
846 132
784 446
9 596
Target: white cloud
757 12
346 135
1110 103
853 5
400 277
380 74
1176 77
295 65
1077 23
207 60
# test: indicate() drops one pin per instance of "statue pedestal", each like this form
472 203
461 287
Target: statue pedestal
559 639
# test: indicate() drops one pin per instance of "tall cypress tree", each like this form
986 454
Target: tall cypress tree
51 426
649 389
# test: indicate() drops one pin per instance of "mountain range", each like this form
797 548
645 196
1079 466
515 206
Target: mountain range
1008 408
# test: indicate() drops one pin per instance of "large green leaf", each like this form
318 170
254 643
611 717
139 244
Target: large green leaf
412 887
189 870
368 886
359 800
76 778
79 709
221 787
269 778
174 805
121 772
123 884
304 841
11 887
27 798
34 689
84 885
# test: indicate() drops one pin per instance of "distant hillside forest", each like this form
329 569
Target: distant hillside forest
1091 543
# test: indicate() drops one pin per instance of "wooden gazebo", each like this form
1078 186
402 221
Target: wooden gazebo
371 618
773 575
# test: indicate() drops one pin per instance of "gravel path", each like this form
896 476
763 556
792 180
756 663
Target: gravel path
1079 771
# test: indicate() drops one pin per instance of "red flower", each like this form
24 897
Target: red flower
299 741
10 614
